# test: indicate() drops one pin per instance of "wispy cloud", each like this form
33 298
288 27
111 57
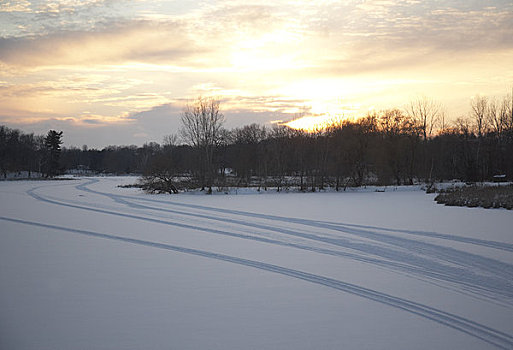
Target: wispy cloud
259 35
15 6
117 43
39 6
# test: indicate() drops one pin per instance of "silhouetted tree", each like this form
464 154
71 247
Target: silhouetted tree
479 106
202 123
52 142
245 151
426 113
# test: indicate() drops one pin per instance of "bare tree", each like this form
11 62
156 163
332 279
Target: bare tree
426 113
495 116
480 110
170 140
202 123
442 121
506 111
479 106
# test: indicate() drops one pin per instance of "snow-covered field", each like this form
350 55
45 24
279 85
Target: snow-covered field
87 265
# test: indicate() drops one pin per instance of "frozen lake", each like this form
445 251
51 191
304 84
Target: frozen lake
87 265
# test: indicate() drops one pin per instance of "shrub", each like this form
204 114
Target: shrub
478 196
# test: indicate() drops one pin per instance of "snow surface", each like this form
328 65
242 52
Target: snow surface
85 264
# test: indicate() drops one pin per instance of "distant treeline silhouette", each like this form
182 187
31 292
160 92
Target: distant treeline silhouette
390 147
34 155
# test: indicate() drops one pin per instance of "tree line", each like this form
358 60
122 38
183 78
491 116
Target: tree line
33 154
386 147
389 147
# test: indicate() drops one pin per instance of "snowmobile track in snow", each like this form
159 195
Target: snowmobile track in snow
479 331
421 259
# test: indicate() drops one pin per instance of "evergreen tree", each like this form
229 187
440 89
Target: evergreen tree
53 141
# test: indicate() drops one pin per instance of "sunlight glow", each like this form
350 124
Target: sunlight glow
265 51
314 123
253 60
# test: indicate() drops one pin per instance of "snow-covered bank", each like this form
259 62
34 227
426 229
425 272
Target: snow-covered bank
85 264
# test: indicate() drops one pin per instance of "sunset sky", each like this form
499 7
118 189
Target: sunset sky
112 72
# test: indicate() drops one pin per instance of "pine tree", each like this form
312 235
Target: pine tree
53 141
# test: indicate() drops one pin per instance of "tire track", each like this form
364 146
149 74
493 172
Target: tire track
383 263
489 335
451 255
332 252
474 241
314 223
494 280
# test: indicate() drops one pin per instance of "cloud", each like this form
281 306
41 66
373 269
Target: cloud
116 43
157 121
91 121
267 36
37 6
15 6
163 120
161 113
92 130
75 134
451 26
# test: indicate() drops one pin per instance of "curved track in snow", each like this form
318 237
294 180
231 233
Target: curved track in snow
496 338
472 273
421 255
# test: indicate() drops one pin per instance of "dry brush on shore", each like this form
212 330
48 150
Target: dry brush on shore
478 196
